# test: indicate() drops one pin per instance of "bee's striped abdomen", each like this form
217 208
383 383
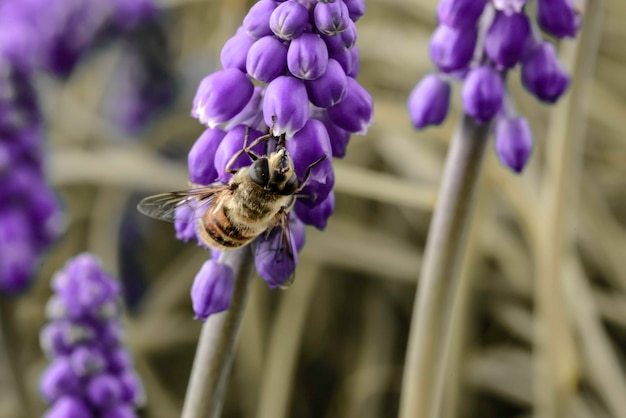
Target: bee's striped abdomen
218 227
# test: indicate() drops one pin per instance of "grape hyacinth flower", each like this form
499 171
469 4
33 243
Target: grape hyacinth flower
30 217
508 38
91 373
291 65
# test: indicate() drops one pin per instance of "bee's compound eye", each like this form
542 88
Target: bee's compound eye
260 172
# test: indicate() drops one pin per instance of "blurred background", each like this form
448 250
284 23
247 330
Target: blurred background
118 128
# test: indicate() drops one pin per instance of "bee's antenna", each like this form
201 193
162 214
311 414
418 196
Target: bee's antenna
271 132
282 139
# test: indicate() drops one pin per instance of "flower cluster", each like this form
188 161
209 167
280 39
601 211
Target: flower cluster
293 64
30 216
91 373
510 38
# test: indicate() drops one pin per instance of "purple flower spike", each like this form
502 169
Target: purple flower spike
308 145
508 38
104 391
356 8
509 6
343 41
232 143
132 390
307 57
289 20
267 59
452 49
316 215
17 256
355 112
201 156
514 142
543 75
59 380
330 88
235 51
87 361
287 100
559 17
69 407
212 289
221 96
483 93
275 268
331 18
460 14
429 101
257 21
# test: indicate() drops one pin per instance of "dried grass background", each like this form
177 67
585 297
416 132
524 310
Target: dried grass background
333 345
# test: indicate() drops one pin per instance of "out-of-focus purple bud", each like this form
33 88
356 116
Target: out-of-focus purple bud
287 100
87 361
104 390
429 101
109 334
201 156
452 49
460 14
331 18
235 51
343 41
185 222
272 257
45 212
58 380
69 407
119 360
349 61
221 96
289 20
122 411
356 8
508 38
483 93
52 339
319 184
232 143
338 137
543 75
355 112
257 21
298 233
509 6
132 390
330 88
252 114
559 17
267 59
316 215
17 256
307 57
308 145
130 13
212 289
514 142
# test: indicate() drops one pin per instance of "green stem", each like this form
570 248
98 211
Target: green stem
423 379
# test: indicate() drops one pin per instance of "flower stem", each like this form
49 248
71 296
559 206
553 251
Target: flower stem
216 346
423 379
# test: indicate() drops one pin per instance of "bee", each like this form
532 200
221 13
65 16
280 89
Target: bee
256 199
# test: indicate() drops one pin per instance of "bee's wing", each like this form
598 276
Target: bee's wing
276 247
164 206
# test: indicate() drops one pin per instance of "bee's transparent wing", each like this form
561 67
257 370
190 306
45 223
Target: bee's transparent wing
165 206
275 254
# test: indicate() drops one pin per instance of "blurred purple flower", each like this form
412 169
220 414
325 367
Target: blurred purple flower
483 93
543 75
559 17
212 289
429 101
452 49
460 14
514 142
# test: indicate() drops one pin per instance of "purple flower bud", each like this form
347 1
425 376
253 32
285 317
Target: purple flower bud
119 360
349 61
316 215
298 232
343 41
87 361
483 93
330 88
257 21
286 99
355 112
232 143
559 17
543 75
429 101
235 51
212 289
58 380
52 339
331 18
185 222
460 14
508 38
307 146
104 391
288 20
452 49
69 407
251 115
509 6
45 211
307 57
514 142
201 156
17 255
267 59
109 334
319 184
122 411
221 96
132 390
356 8
338 137
271 258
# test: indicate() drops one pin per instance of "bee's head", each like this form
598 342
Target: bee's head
275 172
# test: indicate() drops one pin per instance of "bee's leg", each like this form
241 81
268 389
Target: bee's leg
232 160
307 174
306 196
